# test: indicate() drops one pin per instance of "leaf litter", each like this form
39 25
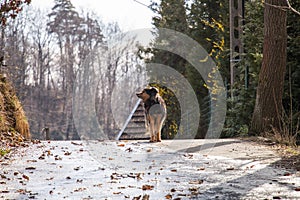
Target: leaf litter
152 168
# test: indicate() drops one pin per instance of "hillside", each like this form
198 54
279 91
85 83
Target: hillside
14 127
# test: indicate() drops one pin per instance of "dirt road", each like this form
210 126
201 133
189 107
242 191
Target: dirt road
174 169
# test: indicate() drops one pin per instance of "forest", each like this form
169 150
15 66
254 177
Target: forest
42 55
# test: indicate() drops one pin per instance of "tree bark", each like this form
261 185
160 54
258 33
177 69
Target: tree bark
268 107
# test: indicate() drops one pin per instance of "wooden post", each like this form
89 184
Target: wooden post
47 131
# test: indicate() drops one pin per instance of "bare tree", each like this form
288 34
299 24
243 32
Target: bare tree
64 23
17 51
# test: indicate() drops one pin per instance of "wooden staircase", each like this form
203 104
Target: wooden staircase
134 127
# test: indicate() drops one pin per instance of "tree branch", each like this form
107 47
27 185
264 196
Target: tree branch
291 8
285 8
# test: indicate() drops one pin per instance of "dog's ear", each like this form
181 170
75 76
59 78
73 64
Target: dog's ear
153 93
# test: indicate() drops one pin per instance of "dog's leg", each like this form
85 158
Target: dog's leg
152 129
156 121
147 124
159 125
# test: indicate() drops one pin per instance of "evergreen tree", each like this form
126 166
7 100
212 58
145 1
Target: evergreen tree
200 21
207 27
293 58
170 14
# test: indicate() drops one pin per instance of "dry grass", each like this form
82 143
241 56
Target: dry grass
287 133
22 125
13 122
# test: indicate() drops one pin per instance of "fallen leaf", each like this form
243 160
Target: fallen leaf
79 189
25 177
77 168
147 187
121 145
287 174
30 168
173 190
297 189
173 170
97 185
31 160
67 153
168 196
189 156
22 191
230 168
117 192
201 169
78 144
146 197
42 157
193 189
137 198
113 177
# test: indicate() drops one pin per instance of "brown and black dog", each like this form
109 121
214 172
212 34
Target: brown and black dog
155 112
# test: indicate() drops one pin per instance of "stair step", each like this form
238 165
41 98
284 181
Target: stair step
136 127
138 119
140 136
135 131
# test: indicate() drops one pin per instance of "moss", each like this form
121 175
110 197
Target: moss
3 152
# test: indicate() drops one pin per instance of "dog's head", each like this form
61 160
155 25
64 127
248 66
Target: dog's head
148 94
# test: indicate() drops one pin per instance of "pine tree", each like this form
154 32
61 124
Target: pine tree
268 106
207 27
170 14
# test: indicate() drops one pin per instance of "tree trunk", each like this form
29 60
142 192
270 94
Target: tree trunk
268 108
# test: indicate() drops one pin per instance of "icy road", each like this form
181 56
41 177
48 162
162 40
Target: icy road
175 169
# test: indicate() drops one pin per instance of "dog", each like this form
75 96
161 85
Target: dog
155 112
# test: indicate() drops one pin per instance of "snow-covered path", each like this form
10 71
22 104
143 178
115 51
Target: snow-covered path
174 169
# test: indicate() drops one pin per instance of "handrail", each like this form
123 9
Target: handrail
128 119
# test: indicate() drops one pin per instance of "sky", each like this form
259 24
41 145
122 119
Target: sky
129 14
